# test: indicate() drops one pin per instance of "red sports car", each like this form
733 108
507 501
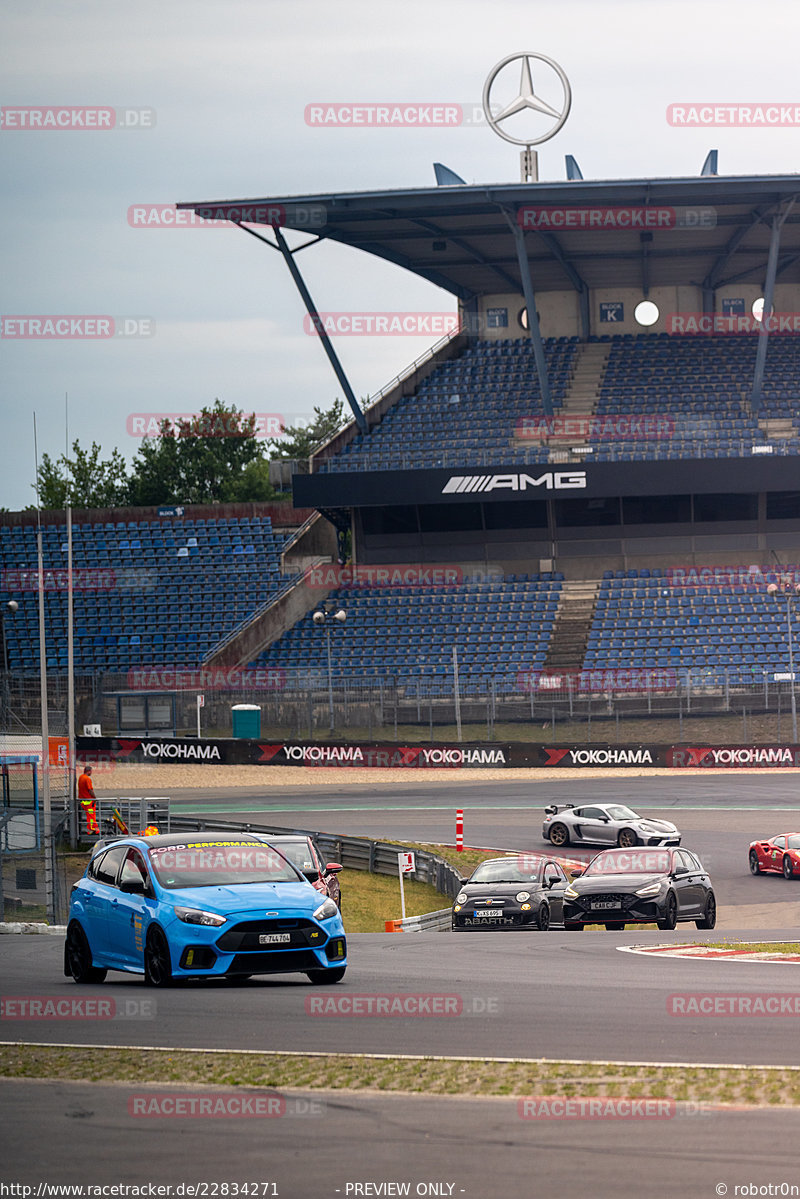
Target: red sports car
779 855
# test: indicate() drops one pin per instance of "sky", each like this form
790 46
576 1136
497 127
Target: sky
217 95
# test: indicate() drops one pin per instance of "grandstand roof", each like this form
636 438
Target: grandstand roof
458 236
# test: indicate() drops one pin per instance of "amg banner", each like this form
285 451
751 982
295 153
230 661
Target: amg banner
436 756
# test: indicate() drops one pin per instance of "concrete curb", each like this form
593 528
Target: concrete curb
9 927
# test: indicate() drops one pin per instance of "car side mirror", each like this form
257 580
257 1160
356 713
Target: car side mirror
604 820
576 873
333 867
132 886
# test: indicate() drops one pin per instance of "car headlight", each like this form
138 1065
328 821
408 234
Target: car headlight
198 916
571 892
521 896
326 910
648 890
461 897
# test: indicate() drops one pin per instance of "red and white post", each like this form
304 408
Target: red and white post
459 830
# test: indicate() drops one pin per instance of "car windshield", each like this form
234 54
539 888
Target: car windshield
219 863
630 861
298 853
793 842
620 812
506 871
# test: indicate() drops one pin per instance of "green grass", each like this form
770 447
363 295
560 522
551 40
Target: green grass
778 1085
757 946
369 900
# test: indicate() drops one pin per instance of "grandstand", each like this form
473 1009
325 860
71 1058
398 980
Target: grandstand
565 466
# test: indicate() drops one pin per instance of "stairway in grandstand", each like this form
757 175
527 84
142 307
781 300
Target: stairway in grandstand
573 621
580 401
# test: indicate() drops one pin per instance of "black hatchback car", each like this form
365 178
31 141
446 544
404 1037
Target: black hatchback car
521 892
641 886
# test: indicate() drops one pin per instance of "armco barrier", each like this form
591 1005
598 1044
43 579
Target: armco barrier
436 756
354 853
431 922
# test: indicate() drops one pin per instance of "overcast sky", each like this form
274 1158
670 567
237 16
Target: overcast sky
229 83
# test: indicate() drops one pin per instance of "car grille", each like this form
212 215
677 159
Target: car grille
276 962
245 936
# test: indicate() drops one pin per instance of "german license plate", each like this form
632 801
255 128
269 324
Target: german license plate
486 912
274 938
604 903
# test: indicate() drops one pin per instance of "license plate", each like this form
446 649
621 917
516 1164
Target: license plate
274 938
604 903
487 912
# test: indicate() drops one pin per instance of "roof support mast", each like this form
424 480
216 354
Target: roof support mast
316 320
769 292
533 318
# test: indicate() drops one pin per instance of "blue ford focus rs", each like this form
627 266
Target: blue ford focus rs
199 905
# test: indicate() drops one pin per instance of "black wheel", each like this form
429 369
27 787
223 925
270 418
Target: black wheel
710 915
627 838
559 834
755 867
157 962
788 869
543 918
321 978
671 915
78 957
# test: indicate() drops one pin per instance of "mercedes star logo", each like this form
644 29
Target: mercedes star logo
527 100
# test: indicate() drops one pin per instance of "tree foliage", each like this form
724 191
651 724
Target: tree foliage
89 481
299 441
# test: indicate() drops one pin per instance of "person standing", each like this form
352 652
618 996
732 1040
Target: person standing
88 801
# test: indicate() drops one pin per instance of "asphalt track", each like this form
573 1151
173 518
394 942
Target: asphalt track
468 1148
719 815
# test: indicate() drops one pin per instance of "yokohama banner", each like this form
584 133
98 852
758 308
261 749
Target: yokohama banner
435 756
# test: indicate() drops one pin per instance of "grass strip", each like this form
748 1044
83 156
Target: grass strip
762 1086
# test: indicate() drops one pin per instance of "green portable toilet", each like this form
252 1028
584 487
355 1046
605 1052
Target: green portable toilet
246 720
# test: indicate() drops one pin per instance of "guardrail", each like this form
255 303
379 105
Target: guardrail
354 853
436 922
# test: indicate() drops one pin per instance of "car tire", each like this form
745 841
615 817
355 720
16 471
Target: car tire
543 918
558 834
788 868
157 961
78 957
755 865
710 914
321 978
626 838
671 914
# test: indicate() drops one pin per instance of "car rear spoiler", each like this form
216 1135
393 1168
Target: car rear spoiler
555 808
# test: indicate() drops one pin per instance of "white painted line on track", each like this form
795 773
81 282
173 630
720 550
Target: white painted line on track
666 951
409 1057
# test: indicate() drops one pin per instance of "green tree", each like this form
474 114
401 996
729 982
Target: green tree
89 481
213 458
301 442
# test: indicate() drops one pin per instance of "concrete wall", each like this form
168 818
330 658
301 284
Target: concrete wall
278 618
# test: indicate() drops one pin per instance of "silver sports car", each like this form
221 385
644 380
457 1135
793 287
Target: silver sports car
605 824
